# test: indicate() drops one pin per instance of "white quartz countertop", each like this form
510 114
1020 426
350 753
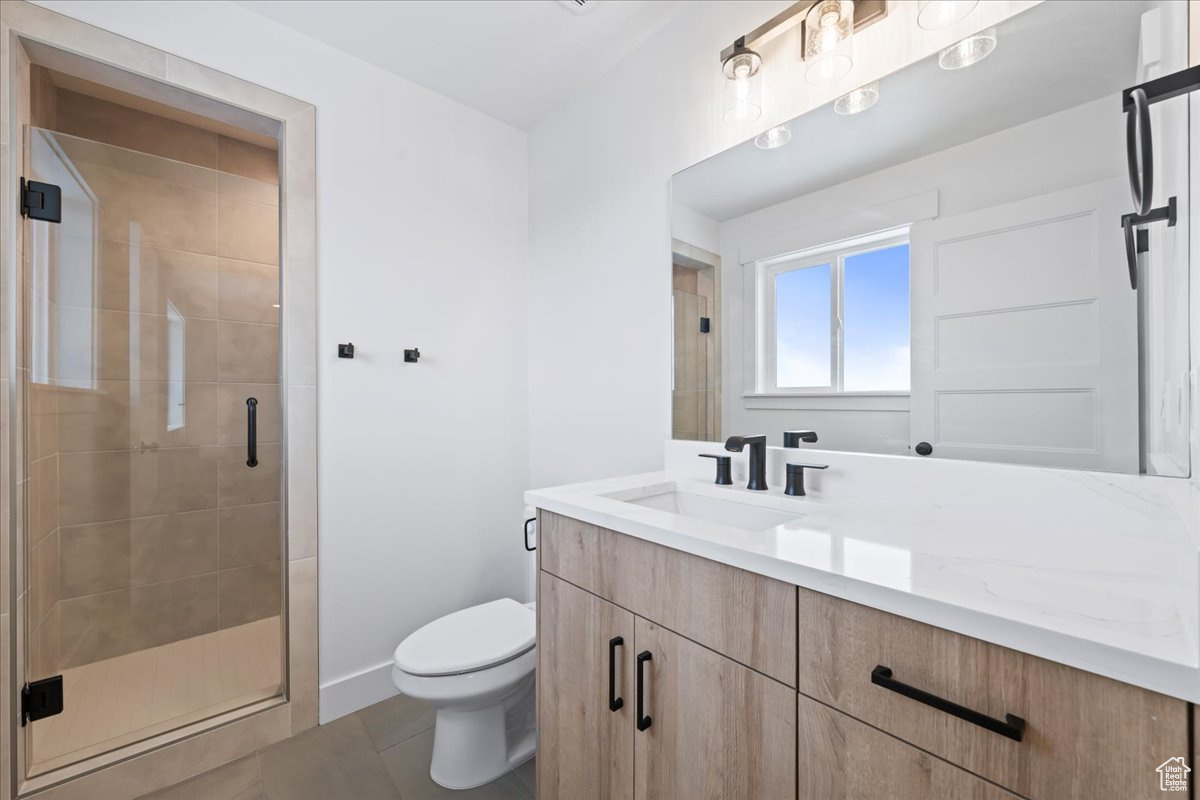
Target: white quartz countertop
1097 590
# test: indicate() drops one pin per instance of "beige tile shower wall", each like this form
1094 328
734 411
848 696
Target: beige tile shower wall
166 533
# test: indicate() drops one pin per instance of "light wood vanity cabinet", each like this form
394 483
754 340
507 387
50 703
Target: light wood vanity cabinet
714 728
586 746
760 690
1085 736
748 617
719 730
840 758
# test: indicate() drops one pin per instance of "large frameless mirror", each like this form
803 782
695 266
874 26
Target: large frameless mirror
935 265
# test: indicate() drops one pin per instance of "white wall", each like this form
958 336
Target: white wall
600 217
689 225
1013 164
422 234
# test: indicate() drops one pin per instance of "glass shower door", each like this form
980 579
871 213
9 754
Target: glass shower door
153 541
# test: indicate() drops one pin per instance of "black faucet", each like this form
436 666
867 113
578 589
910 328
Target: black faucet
723 477
795 478
758 458
794 438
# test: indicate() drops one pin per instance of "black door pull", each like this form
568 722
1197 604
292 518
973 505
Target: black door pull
251 432
1011 726
614 703
643 721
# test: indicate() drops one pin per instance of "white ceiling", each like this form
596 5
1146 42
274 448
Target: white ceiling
515 60
1053 57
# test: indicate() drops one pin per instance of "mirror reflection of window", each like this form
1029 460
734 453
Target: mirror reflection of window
803 328
62 302
875 316
841 319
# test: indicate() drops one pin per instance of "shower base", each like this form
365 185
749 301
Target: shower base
122 700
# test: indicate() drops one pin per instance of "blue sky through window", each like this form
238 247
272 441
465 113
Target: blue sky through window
875 313
802 327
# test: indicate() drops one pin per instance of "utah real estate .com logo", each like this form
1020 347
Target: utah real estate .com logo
1173 775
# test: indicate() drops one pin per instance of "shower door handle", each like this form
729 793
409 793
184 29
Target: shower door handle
251 432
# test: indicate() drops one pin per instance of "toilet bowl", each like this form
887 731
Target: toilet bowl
476 667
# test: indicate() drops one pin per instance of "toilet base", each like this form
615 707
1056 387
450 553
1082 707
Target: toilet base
474 746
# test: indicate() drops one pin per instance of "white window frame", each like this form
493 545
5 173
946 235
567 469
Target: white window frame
835 255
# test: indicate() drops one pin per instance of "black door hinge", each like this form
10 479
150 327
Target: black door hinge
41 201
41 699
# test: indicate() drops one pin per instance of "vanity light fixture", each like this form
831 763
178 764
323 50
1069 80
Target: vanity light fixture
743 88
933 15
858 100
970 50
829 59
828 35
774 137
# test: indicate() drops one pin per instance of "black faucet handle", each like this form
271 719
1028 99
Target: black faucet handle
724 475
794 438
795 478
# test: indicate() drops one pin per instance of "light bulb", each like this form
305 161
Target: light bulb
742 101
775 137
935 14
970 50
828 40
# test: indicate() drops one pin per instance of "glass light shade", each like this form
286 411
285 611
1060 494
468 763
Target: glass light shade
829 40
970 50
860 99
935 14
742 100
775 137
744 64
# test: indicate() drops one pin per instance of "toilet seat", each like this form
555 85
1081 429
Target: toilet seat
468 641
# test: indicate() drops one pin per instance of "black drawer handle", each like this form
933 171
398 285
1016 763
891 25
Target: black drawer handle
614 703
1012 726
643 721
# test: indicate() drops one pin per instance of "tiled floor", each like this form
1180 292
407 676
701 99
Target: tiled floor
119 700
380 753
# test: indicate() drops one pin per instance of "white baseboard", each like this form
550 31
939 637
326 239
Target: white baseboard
355 692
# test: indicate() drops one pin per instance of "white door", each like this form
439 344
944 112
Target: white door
1024 333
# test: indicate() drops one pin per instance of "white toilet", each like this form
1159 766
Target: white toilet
476 667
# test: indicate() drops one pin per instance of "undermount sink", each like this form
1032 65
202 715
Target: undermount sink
746 516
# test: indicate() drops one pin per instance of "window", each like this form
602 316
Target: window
836 319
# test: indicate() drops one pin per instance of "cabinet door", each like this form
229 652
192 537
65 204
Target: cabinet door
585 749
718 730
841 758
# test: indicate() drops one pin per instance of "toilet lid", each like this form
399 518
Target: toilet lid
469 640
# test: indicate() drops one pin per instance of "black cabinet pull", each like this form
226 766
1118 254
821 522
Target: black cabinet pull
251 432
614 703
643 721
1011 726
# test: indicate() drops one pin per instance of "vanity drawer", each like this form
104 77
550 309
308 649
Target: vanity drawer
840 758
746 617
1085 737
